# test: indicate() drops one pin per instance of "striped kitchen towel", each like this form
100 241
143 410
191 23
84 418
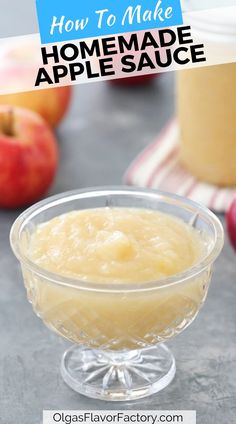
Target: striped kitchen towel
158 167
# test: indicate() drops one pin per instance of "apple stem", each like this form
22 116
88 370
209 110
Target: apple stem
7 122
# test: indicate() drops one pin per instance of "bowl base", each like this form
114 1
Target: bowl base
118 376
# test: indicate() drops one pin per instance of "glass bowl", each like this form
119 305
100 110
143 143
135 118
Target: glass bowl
117 329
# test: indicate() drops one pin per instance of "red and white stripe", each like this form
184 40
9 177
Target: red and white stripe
158 167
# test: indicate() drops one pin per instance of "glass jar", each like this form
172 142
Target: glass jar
207 103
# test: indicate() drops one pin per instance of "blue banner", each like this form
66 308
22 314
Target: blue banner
64 20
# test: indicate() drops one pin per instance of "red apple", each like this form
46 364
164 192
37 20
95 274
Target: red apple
28 157
231 223
134 81
18 69
51 104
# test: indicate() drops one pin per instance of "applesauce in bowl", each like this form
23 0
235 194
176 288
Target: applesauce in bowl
115 245
117 272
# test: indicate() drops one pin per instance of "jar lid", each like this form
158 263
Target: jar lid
216 22
191 5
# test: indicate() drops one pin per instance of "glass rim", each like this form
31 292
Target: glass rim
68 196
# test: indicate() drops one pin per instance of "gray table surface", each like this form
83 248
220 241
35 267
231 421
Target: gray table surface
104 130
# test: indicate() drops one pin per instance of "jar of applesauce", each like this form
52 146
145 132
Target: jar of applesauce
206 104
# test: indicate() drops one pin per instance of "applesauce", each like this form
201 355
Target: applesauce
116 246
206 96
206 112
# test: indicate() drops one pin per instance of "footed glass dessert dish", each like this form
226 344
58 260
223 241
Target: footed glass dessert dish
118 272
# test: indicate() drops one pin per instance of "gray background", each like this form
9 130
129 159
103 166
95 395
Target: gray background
104 130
